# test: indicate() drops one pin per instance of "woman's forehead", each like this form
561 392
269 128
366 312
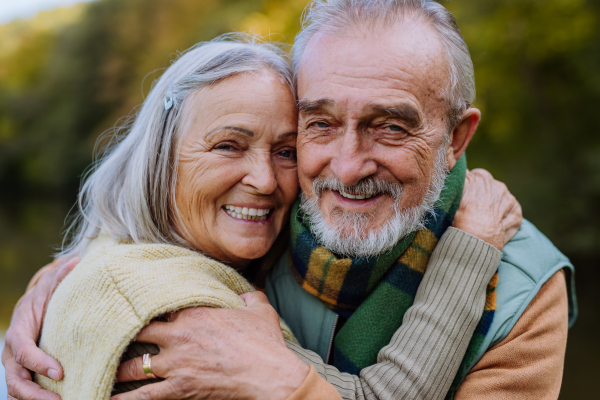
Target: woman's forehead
252 102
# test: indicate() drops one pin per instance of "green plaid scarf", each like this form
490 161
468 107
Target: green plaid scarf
374 293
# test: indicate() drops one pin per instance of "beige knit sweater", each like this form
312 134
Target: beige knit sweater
116 290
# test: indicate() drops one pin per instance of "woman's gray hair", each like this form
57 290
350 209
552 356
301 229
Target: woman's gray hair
130 192
333 16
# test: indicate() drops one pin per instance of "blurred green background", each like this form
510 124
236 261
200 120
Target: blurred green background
70 74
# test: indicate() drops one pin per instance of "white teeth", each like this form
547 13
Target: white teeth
357 196
252 214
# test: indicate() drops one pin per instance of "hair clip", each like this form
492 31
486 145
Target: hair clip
169 97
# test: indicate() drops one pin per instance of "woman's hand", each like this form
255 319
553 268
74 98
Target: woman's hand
20 350
488 210
211 353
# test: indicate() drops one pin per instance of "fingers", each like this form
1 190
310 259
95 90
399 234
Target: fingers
11 367
254 299
155 391
20 386
155 332
258 303
28 355
132 370
512 222
21 343
485 174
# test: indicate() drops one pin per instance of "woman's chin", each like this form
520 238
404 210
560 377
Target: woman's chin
251 249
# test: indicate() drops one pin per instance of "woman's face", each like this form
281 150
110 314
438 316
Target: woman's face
237 174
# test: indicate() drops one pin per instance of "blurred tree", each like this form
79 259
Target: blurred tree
535 64
68 75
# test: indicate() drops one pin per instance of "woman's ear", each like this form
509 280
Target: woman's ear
461 135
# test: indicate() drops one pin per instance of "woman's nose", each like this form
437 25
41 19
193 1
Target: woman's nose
261 175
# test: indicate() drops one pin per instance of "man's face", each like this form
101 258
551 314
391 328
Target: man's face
371 107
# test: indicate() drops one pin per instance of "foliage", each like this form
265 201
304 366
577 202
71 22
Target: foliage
68 75
535 64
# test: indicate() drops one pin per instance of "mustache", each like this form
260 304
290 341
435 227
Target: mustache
367 186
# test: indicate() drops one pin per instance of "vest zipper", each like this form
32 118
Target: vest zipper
337 317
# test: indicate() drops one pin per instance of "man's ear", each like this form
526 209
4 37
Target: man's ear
461 135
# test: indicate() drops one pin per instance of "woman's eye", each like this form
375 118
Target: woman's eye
288 154
225 147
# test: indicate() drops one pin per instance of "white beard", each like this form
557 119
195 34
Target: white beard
351 237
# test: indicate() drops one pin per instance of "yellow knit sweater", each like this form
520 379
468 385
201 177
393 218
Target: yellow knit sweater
114 292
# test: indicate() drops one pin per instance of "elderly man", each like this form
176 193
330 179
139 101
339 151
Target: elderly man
385 89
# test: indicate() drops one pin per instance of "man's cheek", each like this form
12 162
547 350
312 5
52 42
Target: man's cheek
312 161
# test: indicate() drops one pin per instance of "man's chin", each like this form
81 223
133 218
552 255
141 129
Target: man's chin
359 235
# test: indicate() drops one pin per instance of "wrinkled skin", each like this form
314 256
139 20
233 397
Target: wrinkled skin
350 137
485 203
372 105
20 352
238 149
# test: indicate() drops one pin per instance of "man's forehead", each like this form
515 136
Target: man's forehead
405 56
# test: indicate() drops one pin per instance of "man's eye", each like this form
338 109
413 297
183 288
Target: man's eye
394 128
320 124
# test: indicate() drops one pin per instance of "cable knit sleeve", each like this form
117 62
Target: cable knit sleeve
426 351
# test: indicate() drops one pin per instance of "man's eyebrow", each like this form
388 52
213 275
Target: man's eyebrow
313 105
230 128
405 112
284 135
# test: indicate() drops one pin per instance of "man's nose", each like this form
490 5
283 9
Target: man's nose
352 160
261 175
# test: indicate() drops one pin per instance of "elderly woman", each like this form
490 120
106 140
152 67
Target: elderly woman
193 196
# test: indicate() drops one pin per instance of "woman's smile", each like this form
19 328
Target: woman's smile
237 167
248 213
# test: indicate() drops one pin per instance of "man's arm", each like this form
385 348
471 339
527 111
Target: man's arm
528 363
425 353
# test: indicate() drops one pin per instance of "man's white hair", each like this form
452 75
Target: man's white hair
337 16
130 191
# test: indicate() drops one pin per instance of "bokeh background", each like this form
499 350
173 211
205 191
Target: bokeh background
69 74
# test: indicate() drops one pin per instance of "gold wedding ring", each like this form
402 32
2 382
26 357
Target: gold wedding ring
147 365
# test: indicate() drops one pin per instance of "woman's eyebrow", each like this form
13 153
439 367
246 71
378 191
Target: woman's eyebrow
230 128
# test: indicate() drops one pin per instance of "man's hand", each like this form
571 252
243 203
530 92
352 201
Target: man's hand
488 210
210 353
20 350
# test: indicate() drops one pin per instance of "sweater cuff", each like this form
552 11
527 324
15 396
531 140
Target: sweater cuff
315 387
